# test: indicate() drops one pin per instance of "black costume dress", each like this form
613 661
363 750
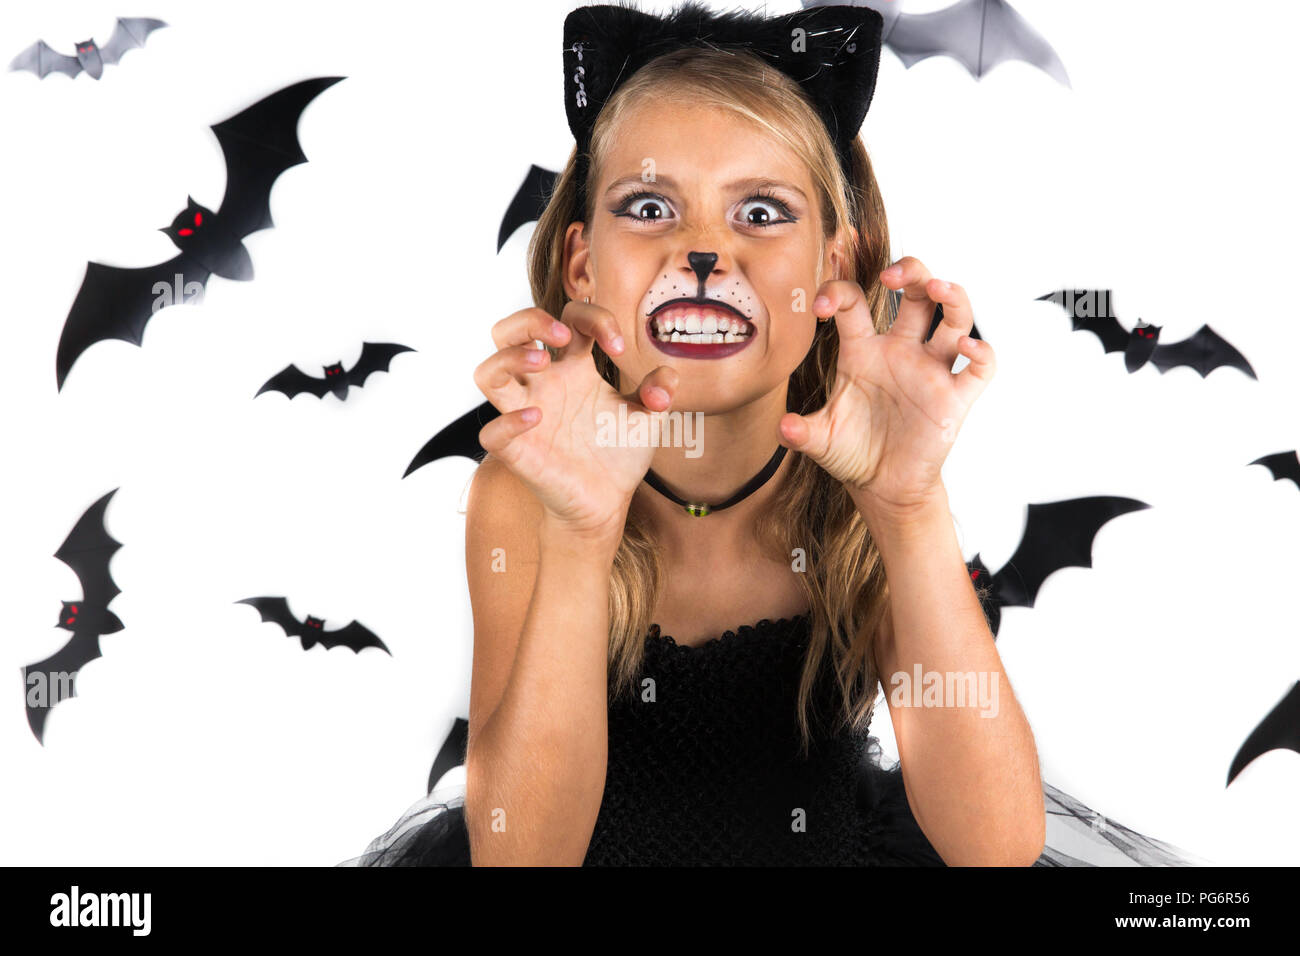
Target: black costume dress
704 769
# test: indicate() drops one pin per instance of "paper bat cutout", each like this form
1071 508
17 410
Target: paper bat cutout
978 34
1058 534
129 33
258 144
87 550
529 202
452 753
1283 465
1279 730
375 357
311 632
1090 310
460 438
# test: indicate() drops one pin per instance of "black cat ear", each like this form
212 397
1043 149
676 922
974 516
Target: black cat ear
832 52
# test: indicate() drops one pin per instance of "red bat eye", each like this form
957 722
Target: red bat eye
198 219
74 609
71 620
185 232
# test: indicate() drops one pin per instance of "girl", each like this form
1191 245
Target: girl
676 655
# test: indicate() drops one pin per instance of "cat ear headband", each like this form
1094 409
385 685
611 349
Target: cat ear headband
832 52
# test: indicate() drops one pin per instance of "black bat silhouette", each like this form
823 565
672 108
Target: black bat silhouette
460 438
129 33
312 631
528 203
1090 310
1283 465
87 550
375 357
1058 534
978 34
452 753
258 144
1279 730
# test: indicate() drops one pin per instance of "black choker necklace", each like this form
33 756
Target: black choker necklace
699 509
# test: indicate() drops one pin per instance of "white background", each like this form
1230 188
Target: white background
203 736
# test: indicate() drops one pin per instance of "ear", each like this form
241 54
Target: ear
578 280
842 248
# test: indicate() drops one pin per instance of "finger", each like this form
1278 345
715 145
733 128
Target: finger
496 436
916 309
591 323
530 325
958 319
657 389
501 376
971 381
807 434
848 303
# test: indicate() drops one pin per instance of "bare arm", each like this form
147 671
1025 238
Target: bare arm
971 772
538 732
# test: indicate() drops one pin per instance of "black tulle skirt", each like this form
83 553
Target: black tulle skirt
431 832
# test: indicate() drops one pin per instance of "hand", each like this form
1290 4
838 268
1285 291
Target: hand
896 407
585 486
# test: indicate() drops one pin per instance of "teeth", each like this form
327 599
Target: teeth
692 325
701 338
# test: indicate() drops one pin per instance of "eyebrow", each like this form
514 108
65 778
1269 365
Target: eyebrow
738 185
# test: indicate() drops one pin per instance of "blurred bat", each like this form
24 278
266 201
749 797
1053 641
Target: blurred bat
375 357
127 35
311 632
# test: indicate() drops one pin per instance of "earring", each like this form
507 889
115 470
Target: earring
586 298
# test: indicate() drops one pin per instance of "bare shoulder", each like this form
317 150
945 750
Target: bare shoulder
501 555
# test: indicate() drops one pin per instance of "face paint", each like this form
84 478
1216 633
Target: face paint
700 315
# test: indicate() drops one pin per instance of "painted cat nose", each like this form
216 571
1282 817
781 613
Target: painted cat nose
702 263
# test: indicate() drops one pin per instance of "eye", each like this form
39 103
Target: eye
184 232
644 207
764 210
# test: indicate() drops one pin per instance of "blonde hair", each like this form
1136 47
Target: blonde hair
845 582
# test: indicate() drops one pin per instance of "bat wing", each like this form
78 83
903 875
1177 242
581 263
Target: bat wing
452 753
979 34
129 33
529 202
115 303
1114 337
1204 351
58 674
1058 534
88 549
275 610
42 61
375 357
293 381
1279 730
355 636
1285 464
259 144
460 438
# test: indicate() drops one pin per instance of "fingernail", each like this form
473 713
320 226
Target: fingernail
534 356
821 302
616 343
658 393
894 271
556 326
944 285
